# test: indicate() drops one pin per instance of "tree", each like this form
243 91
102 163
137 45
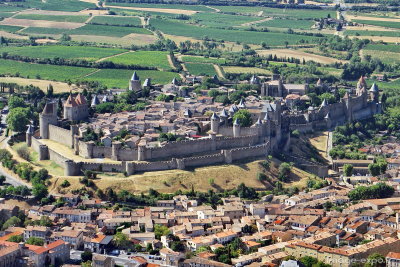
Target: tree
375 260
13 221
39 191
18 118
121 240
308 261
284 171
244 117
50 91
374 169
65 183
35 241
16 238
348 169
160 230
87 255
16 102
2 179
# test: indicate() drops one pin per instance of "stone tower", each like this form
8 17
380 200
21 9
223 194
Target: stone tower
134 83
47 117
214 123
374 93
76 108
236 128
29 133
361 86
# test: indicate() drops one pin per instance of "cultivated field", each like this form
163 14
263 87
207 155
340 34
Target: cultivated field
42 71
127 40
67 52
200 69
116 20
105 30
60 18
385 56
40 23
222 20
157 59
59 87
287 23
251 37
151 9
380 23
288 53
239 70
197 59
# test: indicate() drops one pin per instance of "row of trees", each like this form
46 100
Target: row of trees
379 190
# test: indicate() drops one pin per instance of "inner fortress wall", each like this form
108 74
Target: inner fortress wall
60 135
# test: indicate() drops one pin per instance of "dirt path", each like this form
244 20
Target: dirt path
254 22
89 19
105 58
213 8
171 63
219 71
93 72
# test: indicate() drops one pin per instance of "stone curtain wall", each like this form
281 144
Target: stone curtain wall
60 135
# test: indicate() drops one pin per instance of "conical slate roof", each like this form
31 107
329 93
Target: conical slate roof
135 77
105 99
30 129
236 122
214 116
319 82
328 116
374 88
346 95
174 81
95 101
266 117
324 103
258 122
241 104
188 113
147 82
223 114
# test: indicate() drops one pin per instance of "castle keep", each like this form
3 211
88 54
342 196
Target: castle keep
215 139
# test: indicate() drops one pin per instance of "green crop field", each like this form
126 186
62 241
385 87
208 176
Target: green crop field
8 28
58 18
57 5
6 14
373 33
222 20
163 6
104 30
9 8
43 31
200 69
387 24
113 20
384 47
251 37
287 23
42 71
279 12
157 59
212 60
385 56
67 52
114 78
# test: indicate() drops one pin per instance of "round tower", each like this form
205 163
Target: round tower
47 117
214 123
236 128
135 84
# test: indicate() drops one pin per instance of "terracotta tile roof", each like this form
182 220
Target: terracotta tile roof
70 102
6 237
80 99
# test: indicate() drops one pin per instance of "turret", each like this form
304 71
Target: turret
232 110
328 120
361 86
95 101
374 93
236 128
147 83
187 113
214 123
134 84
47 117
223 116
254 80
29 133
242 105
